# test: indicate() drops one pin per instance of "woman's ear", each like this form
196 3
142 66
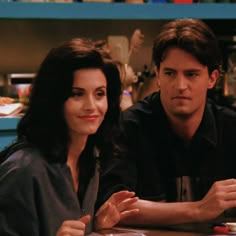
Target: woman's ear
213 78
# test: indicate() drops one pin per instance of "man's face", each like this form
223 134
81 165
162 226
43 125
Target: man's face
184 82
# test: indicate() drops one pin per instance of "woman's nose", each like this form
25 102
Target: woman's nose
89 103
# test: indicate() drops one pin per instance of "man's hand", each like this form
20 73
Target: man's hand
220 197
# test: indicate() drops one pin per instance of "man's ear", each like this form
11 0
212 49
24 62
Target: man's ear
156 71
213 79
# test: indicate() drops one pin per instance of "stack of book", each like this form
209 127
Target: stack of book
12 109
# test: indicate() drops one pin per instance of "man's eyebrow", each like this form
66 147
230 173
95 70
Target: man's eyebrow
188 70
192 70
168 68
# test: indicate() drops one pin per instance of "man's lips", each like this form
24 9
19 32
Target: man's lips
181 97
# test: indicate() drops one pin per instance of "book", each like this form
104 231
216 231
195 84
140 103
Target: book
11 109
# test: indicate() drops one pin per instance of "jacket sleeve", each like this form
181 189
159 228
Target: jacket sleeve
18 215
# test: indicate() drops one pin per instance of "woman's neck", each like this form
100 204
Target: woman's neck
76 147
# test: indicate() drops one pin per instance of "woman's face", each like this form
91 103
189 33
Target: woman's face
85 109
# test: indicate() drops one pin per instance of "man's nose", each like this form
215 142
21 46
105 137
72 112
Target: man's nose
181 82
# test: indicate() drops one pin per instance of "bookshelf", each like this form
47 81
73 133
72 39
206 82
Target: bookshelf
21 14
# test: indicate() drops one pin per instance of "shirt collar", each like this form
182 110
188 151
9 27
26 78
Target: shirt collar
207 129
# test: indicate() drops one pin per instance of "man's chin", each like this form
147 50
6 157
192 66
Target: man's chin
182 113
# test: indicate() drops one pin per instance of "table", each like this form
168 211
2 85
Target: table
146 232
201 229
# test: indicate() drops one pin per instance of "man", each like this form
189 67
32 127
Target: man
181 155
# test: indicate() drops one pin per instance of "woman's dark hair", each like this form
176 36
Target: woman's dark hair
43 124
192 36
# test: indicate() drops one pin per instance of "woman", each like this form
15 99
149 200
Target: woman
49 177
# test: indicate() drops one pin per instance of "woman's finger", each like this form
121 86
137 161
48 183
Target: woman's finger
118 197
85 219
126 203
128 213
102 208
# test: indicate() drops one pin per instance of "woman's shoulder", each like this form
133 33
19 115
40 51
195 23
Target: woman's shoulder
23 161
20 173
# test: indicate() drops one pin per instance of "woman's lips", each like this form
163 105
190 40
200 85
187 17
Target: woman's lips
89 118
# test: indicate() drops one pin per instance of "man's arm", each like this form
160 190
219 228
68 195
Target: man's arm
159 213
219 198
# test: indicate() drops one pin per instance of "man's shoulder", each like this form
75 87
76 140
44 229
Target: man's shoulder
223 115
223 111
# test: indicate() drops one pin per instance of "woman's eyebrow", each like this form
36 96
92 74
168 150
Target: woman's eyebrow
101 87
77 88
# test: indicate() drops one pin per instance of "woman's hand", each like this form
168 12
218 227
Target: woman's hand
115 209
74 227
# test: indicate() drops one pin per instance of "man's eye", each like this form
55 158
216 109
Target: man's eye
169 73
192 74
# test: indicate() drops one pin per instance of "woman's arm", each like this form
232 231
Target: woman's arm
18 214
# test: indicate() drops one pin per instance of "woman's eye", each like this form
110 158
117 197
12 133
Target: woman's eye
101 93
76 94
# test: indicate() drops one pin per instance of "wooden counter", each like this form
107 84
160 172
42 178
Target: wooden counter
202 229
